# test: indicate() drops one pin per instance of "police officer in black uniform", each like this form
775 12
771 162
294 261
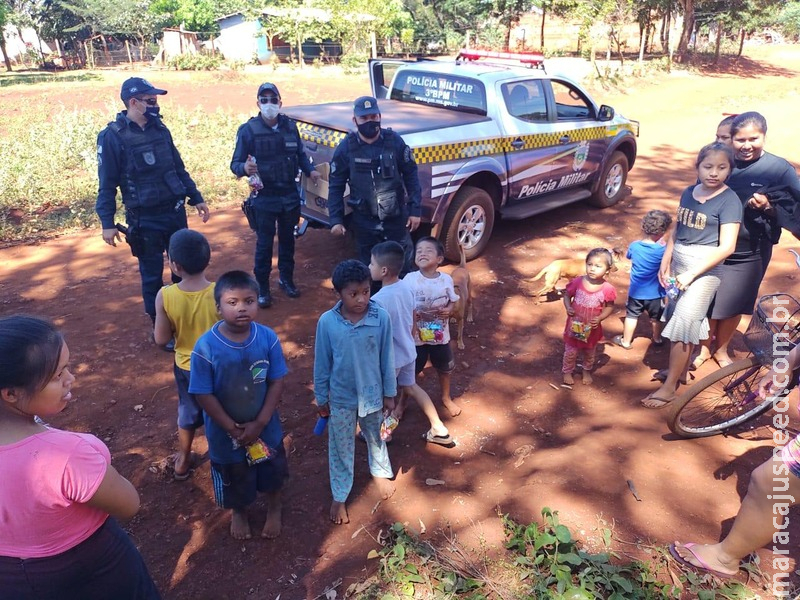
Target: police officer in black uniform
378 165
136 154
269 145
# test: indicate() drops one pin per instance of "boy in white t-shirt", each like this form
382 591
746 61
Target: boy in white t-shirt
397 298
434 299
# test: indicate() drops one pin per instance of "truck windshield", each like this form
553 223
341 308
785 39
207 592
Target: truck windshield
448 91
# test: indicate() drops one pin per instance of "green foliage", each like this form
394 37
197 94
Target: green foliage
200 61
789 20
544 561
194 15
354 62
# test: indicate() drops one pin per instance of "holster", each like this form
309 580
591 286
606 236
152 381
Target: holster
143 242
249 212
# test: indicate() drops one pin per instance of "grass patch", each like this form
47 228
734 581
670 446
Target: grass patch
35 77
48 175
542 561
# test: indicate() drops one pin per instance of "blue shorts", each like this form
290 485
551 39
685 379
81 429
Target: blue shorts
236 485
190 415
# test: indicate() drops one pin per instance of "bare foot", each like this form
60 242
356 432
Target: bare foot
452 407
586 377
339 513
240 526
700 359
569 379
706 557
272 528
385 487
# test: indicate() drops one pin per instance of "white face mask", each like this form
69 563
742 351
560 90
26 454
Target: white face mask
270 111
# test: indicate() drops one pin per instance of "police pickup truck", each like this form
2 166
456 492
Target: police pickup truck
491 140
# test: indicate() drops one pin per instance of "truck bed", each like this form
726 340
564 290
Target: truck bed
401 117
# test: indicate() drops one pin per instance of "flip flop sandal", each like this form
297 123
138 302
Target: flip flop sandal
653 398
617 339
194 459
441 440
701 567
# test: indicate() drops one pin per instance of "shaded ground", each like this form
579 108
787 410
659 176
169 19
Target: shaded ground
521 443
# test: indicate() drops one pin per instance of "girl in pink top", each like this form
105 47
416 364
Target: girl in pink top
589 300
58 537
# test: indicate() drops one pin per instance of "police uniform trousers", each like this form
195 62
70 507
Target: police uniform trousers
156 229
371 231
275 212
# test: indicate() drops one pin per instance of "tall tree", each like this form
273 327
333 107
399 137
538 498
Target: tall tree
5 13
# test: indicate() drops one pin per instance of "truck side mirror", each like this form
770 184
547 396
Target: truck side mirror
606 113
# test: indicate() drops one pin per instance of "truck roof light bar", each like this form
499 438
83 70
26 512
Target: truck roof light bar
531 59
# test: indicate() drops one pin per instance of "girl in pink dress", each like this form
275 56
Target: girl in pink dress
589 300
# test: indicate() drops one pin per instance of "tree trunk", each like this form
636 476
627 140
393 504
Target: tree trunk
508 37
541 33
686 31
3 51
741 42
719 42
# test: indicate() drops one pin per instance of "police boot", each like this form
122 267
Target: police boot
264 297
288 286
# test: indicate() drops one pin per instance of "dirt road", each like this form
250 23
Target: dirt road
522 444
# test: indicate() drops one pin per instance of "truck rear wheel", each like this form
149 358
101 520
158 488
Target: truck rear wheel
612 182
469 222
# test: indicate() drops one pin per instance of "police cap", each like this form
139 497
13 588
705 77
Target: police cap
136 86
268 88
366 105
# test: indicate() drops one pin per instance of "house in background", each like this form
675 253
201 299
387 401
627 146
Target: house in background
241 39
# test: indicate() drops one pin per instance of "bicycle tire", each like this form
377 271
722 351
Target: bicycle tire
721 400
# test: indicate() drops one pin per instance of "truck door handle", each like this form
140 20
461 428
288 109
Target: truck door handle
517 144
563 139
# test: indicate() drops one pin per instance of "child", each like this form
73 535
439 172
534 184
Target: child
588 299
61 495
434 296
354 380
237 374
724 130
398 300
646 293
185 311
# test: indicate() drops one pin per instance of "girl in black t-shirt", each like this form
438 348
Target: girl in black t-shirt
704 234
755 170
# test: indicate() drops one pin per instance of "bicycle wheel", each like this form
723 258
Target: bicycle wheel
719 401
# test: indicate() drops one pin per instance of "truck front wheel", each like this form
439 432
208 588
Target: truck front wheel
469 222
611 187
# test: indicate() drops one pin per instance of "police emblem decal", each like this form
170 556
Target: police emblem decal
581 153
367 104
149 158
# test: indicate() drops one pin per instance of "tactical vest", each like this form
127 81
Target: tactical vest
275 151
376 185
150 180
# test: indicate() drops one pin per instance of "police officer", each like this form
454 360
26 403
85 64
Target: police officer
378 165
136 154
269 145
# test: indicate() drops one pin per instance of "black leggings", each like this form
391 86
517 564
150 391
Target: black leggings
106 565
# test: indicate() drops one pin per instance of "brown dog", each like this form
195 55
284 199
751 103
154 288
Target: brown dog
463 308
568 268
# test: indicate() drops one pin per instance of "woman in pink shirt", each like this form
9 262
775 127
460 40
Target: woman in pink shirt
58 536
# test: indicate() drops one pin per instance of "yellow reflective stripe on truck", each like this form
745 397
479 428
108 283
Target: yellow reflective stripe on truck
320 135
470 149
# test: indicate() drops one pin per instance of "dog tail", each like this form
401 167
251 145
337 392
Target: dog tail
463 256
539 275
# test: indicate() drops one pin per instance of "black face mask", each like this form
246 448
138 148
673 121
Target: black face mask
152 112
369 129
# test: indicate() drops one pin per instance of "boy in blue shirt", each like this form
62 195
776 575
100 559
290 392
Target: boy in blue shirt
354 381
237 372
646 293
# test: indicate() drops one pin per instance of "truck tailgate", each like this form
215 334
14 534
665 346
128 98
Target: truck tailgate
402 117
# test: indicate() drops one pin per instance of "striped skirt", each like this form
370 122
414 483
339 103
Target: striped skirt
686 318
